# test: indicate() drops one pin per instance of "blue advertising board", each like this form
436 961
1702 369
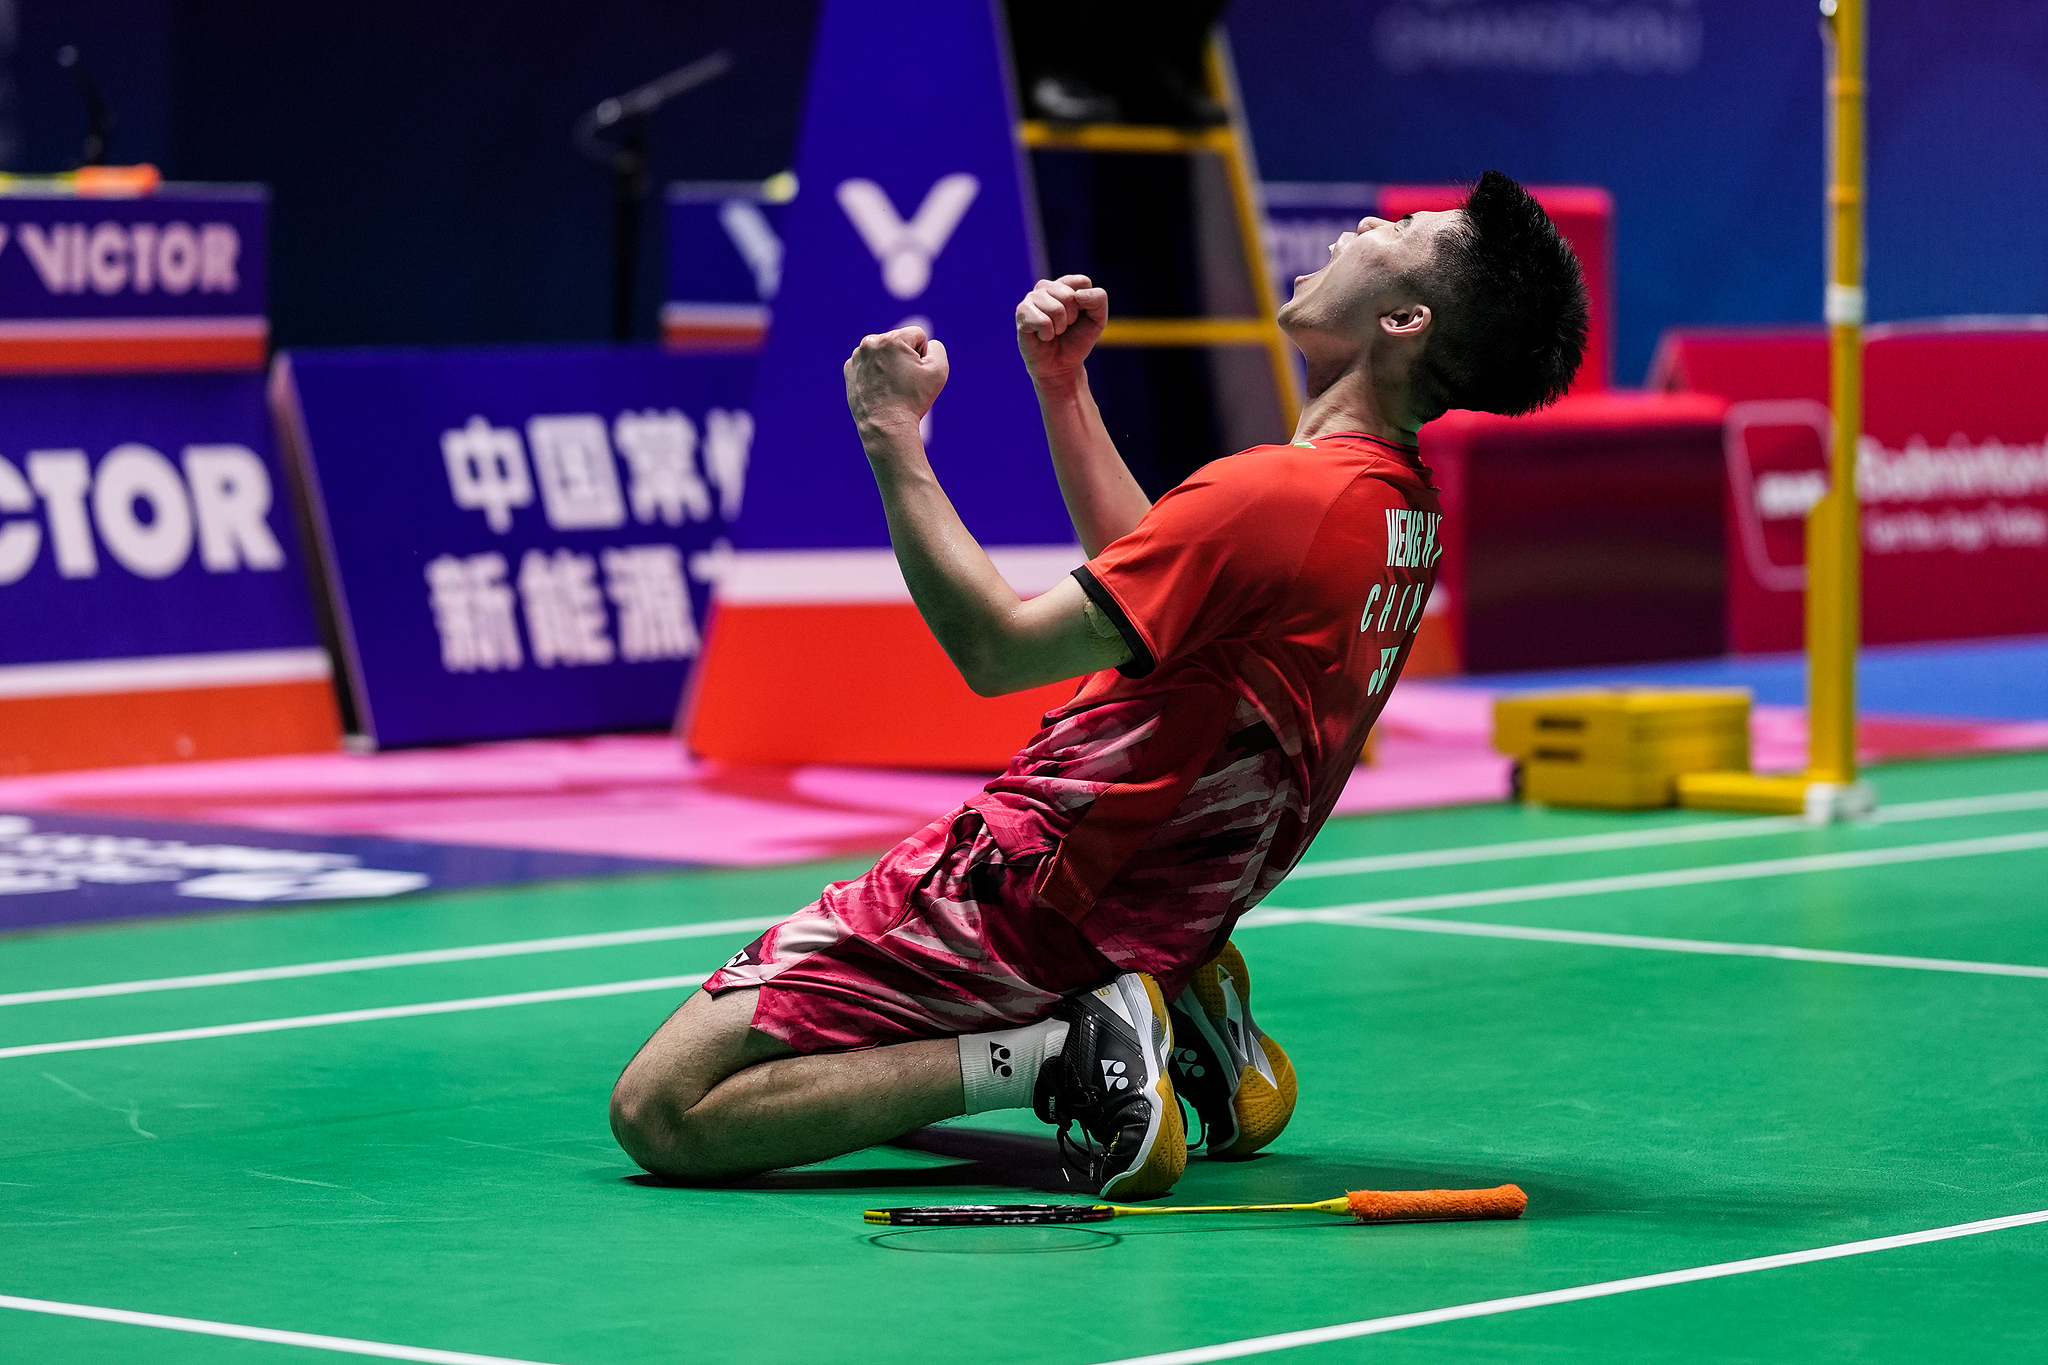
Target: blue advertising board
167 279
142 516
724 253
517 542
904 219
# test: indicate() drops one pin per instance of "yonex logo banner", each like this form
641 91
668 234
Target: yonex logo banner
519 542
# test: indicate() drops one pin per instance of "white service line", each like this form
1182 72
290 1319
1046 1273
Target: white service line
1699 832
315 1340
1713 947
1315 1336
1648 881
478 1002
566 943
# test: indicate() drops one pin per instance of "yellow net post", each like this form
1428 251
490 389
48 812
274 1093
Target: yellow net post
1833 564
1828 789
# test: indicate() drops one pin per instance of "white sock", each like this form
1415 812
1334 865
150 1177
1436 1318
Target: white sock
999 1069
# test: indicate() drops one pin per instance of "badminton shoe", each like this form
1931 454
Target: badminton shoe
1239 1080
1110 1078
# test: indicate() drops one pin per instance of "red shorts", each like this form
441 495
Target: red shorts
943 936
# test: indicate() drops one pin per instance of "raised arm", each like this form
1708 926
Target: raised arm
1057 324
999 642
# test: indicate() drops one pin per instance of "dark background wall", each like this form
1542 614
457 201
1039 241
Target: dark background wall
1704 119
426 189
425 186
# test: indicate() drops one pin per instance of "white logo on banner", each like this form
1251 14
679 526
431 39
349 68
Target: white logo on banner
1555 39
478 606
32 862
754 238
147 516
70 258
906 250
578 476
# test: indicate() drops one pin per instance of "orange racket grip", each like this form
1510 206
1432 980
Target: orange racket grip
1436 1206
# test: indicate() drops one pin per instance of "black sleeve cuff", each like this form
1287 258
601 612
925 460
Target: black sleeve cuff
1141 661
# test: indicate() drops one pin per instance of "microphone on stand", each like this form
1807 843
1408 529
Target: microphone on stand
624 118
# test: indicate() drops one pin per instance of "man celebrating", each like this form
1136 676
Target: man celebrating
1236 640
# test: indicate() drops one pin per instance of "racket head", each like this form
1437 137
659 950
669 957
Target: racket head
988 1215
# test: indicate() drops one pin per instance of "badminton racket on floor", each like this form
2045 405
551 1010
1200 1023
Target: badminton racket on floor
1364 1206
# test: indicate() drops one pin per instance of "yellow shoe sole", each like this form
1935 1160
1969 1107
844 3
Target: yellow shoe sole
1261 1106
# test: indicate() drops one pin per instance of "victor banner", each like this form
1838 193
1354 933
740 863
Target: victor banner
516 542
173 279
154 601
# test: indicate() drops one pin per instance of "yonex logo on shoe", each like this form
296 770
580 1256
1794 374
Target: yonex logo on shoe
1113 1077
999 1059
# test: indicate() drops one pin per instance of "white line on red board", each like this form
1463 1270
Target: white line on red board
479 1002
1283 1341
1713 947
315 1340
1700 832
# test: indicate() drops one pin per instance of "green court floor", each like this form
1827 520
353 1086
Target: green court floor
410 1158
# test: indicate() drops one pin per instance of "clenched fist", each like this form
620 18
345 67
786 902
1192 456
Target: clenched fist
892 378
1057 324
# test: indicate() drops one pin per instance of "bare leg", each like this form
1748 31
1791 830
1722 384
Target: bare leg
709 1097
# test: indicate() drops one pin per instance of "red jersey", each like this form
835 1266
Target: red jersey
1269 603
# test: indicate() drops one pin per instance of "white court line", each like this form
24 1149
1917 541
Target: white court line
1315 1336
1648 881
1701 832
479 1002
236 1330
1255 920
565 943
1714 947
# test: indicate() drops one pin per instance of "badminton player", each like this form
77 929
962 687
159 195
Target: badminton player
1062 941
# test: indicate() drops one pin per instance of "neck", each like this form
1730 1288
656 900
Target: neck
1347 400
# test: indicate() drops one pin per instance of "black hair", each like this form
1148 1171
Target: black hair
1510 308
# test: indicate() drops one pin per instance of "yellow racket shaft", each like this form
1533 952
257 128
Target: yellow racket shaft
1341 1205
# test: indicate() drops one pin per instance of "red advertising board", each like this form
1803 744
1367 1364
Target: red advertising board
1952 474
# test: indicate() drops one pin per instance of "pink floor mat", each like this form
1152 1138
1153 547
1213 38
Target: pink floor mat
641 796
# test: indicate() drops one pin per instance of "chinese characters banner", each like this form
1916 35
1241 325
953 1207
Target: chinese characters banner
517 542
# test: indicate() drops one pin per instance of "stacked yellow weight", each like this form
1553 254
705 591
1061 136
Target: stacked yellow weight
1621 748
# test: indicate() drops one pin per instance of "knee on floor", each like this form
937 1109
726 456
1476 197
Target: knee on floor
659 1132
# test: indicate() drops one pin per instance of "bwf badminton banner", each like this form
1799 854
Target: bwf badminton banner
169 280
912 210
1951 473
517 542
149 576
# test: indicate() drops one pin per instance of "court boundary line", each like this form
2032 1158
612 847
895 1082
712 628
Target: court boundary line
1365 1327
1701 831
1708 946
1649 881
275 1336
1198 1355
299 1021
423 957
1260 918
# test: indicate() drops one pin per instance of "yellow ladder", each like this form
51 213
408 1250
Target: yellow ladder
1232 143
